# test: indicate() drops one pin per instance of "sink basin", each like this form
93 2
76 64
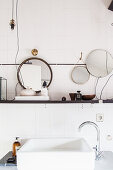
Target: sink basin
57 154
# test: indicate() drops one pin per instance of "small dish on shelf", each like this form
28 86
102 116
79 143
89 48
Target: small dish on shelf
88 97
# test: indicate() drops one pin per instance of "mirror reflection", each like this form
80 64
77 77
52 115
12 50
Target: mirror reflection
80 75
33 73
99 63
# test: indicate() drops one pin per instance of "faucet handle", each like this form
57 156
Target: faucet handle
95 148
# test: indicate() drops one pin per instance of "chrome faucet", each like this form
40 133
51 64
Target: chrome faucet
97 148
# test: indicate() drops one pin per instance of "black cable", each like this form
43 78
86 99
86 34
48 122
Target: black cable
107 63
105 86
12 9
107 74
96 88
18 48
18 44
16 89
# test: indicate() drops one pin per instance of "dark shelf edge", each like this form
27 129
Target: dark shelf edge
108 101
52 101
48 102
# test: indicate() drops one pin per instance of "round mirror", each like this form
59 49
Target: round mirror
80 75
34 73
99 63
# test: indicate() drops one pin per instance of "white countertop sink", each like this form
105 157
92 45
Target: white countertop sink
57 154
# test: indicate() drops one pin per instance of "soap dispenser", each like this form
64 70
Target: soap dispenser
16 146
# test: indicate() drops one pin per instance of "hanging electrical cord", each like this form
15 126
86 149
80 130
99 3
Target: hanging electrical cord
108 78
18 45
12 22
96 88
107 63
12 9
17 33
16 89
105 86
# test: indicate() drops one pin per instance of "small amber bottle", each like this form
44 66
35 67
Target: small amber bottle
16 146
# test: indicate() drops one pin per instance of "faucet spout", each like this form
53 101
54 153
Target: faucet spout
97 148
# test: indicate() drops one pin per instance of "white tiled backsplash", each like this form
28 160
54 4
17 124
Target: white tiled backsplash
53 120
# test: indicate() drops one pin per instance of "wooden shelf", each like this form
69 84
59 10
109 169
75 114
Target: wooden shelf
107 101
48 102
52 101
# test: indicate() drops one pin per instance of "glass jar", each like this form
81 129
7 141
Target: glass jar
3 88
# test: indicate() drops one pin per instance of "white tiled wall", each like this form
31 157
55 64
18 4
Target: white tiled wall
60 30
53 120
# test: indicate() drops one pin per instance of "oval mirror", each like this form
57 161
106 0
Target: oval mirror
80 75
99 63
34 73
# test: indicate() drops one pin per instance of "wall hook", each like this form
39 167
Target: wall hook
34 52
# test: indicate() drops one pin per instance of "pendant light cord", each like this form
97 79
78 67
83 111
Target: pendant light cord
17 34
96 87
12 9
18 45
107 71
104 87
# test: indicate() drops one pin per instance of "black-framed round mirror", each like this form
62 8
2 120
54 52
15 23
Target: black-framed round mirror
33 72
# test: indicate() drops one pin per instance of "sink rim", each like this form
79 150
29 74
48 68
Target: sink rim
57 148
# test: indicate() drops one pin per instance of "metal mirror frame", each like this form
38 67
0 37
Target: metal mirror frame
76 67
33 58
87 59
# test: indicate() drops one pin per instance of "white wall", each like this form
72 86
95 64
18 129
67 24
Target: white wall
53 120
60 30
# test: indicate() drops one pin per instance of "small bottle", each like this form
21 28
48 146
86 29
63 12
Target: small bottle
44 90
78 95
16 146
